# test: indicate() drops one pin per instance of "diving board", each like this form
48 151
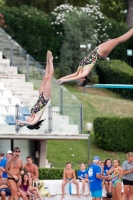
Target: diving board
123 86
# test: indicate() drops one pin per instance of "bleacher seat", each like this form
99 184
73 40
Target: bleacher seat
3 110
25 111
10 120
12 110
1 120
22 118
4 101
7 93
2 87
15 101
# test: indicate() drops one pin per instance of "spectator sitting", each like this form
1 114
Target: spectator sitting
69 177
32 169
82 176
25 186
3 165
4 190
108 183
28 189
9 154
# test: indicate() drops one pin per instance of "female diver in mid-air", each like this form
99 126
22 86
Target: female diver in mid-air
37 110
86 65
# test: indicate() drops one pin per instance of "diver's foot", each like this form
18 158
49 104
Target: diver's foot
49 55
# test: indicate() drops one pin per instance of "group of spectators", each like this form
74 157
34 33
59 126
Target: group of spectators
99 174
16 179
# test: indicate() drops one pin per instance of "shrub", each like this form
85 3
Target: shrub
116 72
51 173
114 133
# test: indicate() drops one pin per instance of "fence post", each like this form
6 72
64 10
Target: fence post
84 90
27 67
81 119
61 100
50 118
17 114
11 52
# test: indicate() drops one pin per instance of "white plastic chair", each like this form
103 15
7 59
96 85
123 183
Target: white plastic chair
3 110
7 93
15 101
4 101
2 87
11 110
1 120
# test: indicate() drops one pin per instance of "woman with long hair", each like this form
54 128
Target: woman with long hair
25 186
86 65
28 189
116 173
33 122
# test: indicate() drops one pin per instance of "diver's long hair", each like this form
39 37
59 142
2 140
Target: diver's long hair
85 82
35 126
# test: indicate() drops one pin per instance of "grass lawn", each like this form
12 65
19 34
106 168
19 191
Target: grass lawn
97 103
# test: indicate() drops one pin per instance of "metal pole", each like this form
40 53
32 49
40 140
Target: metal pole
130 61
81 119
84 90
11 53
17 108
50 118
27 67
61 100
89 146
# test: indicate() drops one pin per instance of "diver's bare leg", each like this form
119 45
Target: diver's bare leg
46 83
106 47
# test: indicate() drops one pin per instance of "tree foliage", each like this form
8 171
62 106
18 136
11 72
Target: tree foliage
46 5
114 9
75 33
31 29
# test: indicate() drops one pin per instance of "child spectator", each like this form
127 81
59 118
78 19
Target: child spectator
101 164
69 177
108 183
82 176
25 186
28 189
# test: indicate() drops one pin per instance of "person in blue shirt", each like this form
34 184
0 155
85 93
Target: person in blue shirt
95 179
82 176
3 165
108 183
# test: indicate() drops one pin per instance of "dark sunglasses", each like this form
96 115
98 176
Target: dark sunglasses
17 151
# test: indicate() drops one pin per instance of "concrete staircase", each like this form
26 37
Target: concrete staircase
28 96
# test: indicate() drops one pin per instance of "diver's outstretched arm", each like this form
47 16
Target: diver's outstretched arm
27 123
79 76
70 76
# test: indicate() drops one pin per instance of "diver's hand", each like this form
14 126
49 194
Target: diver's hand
18 122
59 81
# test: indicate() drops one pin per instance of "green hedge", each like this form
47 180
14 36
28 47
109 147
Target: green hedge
116 72
115 134
51 173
